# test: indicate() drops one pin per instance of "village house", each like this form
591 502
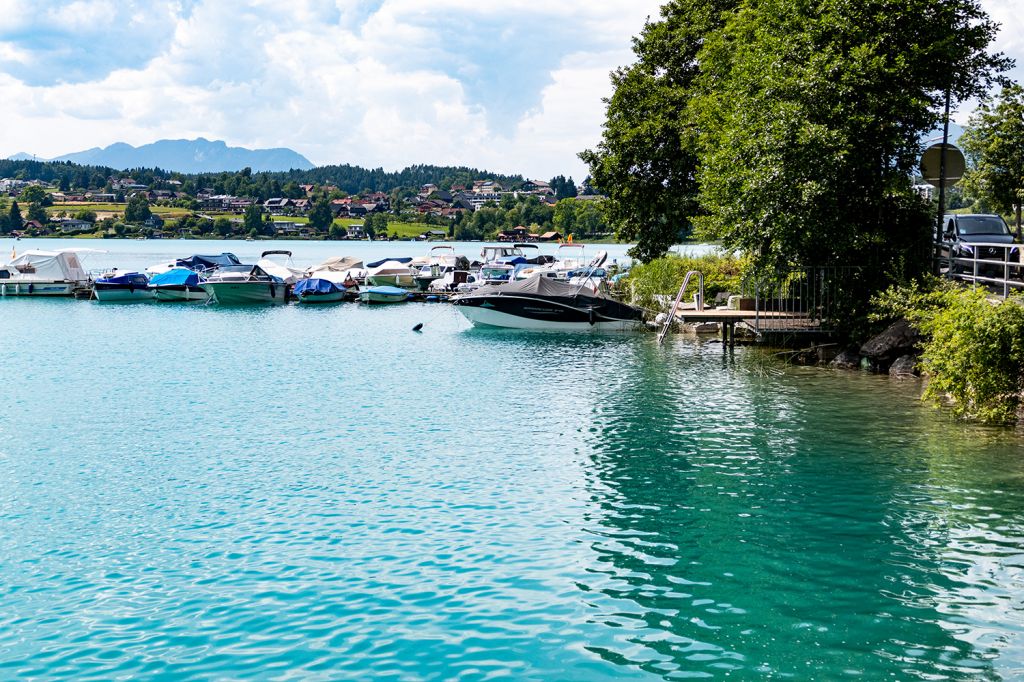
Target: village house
486 187
68 225
277 205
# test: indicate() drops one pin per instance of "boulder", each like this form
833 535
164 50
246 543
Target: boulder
899 339
848 359
904 367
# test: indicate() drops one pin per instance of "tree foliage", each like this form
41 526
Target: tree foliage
787 129
252 220
994 144
137 210
321 216
646 161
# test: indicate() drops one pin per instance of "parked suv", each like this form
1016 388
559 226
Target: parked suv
967 234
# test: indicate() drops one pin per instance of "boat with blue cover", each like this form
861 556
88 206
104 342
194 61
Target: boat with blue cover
317 290
177 284
383 294
127 287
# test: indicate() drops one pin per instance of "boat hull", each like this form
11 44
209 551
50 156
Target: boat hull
120 294
39 288
179 293
332 297
538 314
378 297
403 281
244 293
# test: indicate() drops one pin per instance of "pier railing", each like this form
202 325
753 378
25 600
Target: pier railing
799 299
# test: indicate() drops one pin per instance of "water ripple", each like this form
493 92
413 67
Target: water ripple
320 494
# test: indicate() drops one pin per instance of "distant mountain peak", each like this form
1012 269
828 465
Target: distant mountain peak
190 156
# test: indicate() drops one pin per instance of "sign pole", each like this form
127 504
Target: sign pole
942 176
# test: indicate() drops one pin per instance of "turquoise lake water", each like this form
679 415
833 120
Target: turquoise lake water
320 493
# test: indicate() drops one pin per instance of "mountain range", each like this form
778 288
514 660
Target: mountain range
185 156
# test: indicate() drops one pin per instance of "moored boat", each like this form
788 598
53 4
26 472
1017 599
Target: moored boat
285 271
123 288
546 304
243 284
383 294
45 273
392 273
176 285
318 290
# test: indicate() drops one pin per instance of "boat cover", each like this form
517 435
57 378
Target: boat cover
378 263
175 277
338 264
535 286
388 291
208 262
390 267
315 285
128 279
48 265
510 260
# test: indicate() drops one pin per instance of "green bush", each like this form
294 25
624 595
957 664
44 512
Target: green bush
663 277
973 349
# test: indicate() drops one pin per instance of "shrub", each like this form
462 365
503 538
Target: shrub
663 276
973 348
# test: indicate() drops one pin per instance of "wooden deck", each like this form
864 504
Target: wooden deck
725 315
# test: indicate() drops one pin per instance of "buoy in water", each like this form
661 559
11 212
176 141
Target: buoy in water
418 327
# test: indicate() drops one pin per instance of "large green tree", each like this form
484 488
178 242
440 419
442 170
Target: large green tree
646 161
787 129
137 210
252 219
994 143
811 115
321 216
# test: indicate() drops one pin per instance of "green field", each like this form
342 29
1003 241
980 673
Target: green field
72 209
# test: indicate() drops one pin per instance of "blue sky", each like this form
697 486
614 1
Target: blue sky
513 86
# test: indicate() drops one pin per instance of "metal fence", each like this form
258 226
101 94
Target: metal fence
800 299
997 267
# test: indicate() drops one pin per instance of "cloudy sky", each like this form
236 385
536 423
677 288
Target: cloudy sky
512 86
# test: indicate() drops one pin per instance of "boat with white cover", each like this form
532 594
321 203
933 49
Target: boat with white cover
45 273
286 271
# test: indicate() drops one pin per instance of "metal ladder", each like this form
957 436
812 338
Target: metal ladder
679 299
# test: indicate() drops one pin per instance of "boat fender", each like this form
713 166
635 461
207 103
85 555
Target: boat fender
131 288
593 317
31 287
273 291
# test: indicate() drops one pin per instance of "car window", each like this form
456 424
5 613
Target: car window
982 225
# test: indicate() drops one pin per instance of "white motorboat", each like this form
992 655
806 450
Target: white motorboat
45 273
286 271
547 304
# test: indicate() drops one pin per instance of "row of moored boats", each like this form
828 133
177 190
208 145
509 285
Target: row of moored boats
510 286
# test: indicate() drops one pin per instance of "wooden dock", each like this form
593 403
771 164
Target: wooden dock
777 321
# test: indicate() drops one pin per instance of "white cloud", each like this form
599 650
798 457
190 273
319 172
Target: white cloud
514 86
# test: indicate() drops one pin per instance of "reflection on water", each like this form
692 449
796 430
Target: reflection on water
191 491
804 525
